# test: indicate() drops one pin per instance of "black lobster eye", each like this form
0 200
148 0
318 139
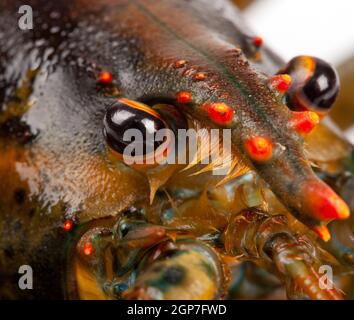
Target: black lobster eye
126 114
315 84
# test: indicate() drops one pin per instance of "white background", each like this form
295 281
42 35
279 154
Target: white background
323 28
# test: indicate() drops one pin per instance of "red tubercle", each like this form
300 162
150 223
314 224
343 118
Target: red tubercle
88 249
68 225
259 148
220 113
200 76
184 97
105 77
323 232
325 204
304 122
180 64
258 41
281 82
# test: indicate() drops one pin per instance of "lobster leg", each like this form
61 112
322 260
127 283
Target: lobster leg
270 242
105 256
133 259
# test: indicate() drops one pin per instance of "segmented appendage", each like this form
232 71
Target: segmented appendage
133 259
269 241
